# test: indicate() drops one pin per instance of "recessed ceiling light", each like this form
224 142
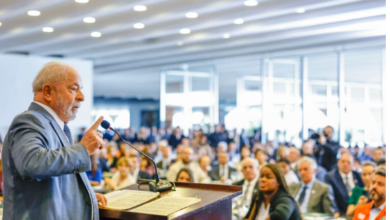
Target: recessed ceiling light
192 15
34 13
180 43
301 10
89 20
239 21
47 29
0 23
82 1
251 3
140 8
185 31
138 25
96 34
226 36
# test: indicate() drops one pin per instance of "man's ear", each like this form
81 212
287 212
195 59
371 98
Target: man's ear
47 91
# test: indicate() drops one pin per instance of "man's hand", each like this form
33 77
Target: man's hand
322 138
102 199
93 139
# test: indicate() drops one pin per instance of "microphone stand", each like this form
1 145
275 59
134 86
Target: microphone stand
156 185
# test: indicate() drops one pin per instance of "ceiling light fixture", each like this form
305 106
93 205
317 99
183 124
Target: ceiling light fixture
138 26
96 34
82 1
191 15
180 43
185 31
140 8
251 3
34 13
301 10
226 36
239 21
0 24
89 20
47 29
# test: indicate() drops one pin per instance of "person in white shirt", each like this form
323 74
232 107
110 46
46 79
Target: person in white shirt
204 163
250 187
186 162
293 157
121 178
289 174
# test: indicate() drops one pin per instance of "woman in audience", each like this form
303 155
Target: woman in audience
111 157
245 152
95 176
205 149
360 194
259 155
282 152
185 176
273 201
121 179
289 174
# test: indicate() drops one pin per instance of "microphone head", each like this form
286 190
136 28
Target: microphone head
105 124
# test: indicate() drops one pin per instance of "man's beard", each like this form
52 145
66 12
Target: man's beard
374 195
65 110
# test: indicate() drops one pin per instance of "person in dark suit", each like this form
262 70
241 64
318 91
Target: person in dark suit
326 152
135 171
175 138
312 195
222 172
343 180
273 201
216 137
249 184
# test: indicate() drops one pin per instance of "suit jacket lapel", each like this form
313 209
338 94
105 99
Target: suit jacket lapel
60 133
340 182
296 190
311 197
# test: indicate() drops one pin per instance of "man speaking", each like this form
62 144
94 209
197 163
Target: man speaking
44 172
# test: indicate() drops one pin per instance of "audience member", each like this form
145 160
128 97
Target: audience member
108 135
378 154
250 186
204 163
273 201
216 137
376 209
343 180
204 148
111 157
356 165
327 149
135 171
289 174
312 195
166 161
186 161
381 162
175 138
121 178
223 171
366 155
261 157
293 157
232 151
359 195
245 152
282 152
95 176
185 176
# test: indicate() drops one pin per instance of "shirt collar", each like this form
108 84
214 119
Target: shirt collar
380 208
53 114
343 175
309 185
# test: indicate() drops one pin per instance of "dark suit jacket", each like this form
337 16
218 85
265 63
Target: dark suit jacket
214 174
327 154
334 179
174 142
320 197
143 175
282 207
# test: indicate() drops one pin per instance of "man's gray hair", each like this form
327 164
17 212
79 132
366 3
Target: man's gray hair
52 73
224 145
313 163
254 161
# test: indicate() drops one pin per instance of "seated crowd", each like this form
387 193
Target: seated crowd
278 182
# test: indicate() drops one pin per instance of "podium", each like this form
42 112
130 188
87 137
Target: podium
215 204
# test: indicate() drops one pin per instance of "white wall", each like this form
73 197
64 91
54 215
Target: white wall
17 73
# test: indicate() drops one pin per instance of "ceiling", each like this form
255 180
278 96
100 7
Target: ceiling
128 61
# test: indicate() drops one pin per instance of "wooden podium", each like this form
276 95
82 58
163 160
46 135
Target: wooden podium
216 203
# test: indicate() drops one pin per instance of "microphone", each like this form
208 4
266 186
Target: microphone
156 185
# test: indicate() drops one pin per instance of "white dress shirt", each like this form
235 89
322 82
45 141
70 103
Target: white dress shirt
224 171
263 212
307 195
350 179
291 178
374 212
248 187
